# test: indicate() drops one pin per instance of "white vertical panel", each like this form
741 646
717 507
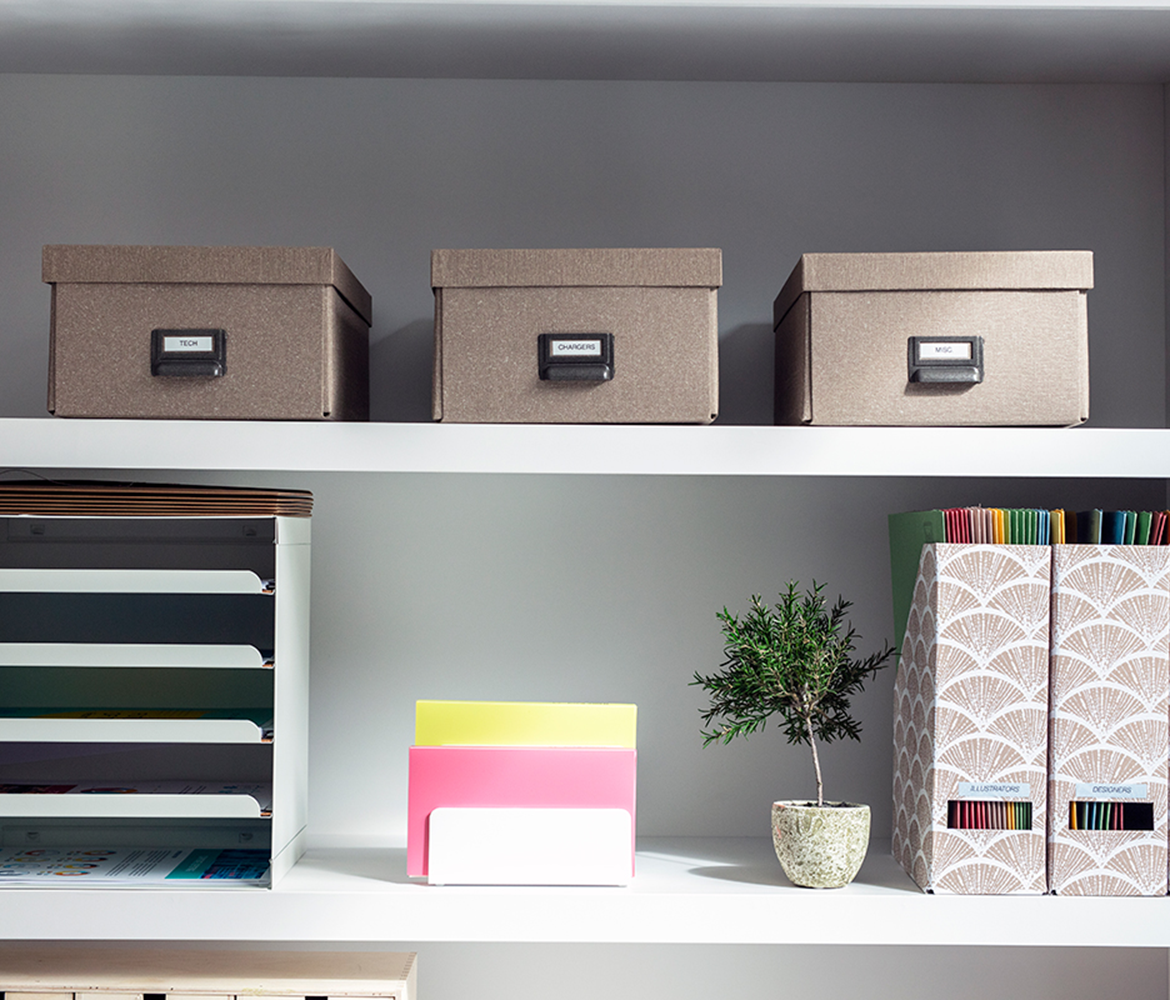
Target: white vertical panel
290 762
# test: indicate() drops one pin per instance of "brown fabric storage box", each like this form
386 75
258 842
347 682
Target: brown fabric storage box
295 325
658 306
843 325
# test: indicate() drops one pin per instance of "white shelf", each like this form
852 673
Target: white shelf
686 891
584 449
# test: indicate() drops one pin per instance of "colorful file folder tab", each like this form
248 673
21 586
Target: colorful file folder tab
522 793
1035 526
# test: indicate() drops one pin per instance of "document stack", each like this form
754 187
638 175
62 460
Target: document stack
522 793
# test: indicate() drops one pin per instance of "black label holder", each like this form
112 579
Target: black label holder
200 353
945 359
575 357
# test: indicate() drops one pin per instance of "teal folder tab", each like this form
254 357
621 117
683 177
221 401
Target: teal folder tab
908 533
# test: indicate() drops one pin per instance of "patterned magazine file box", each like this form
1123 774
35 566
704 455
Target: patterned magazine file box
1109 730
970 721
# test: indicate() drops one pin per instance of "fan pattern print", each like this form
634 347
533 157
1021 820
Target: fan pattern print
971 705
1109 723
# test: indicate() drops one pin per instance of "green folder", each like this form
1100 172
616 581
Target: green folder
908 533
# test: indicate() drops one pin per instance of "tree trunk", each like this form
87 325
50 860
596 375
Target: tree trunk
816 763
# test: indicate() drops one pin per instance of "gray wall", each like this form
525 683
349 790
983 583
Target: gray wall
445 585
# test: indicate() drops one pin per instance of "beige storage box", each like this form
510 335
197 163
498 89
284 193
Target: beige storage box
576 336
60 971
934 338
230 333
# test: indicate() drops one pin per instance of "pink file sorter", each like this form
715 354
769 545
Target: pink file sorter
506 776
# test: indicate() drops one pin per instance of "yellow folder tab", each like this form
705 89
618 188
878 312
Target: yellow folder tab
524 723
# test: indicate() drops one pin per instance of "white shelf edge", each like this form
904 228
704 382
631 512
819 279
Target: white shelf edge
701 890
31 807
229 446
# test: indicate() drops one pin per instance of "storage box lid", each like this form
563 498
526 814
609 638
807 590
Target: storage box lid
205 265
663 268
969 270
93 971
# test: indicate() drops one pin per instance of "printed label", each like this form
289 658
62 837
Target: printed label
575 348
991 790
937 349
1102 792
176 345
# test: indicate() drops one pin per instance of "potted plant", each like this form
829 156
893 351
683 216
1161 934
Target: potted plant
795 660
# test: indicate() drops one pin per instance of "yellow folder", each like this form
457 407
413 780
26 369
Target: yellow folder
524 723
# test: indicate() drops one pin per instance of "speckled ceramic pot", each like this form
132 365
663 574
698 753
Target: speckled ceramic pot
821 848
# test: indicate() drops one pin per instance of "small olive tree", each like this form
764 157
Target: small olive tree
794 660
